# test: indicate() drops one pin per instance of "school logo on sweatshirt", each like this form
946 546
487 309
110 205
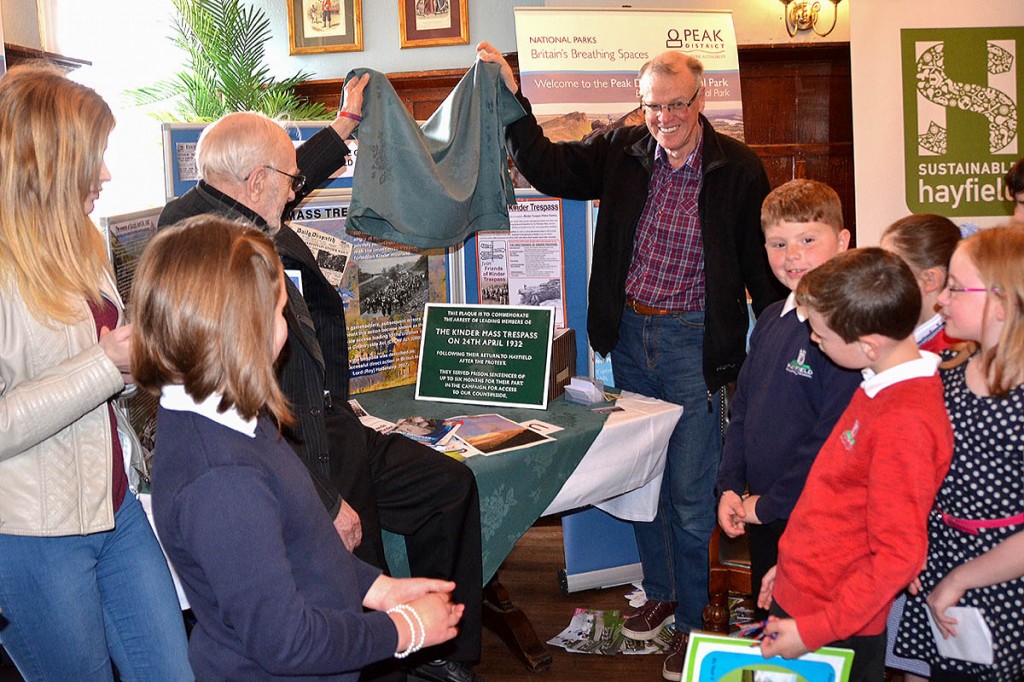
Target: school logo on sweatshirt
799 366
849 436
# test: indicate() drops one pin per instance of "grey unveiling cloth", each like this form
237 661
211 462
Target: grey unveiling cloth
432 187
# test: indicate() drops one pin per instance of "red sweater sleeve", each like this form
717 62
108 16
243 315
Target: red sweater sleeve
861 529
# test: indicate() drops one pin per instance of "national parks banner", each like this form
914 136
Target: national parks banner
578 67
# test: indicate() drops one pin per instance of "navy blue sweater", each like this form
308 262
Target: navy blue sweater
788 397
275 593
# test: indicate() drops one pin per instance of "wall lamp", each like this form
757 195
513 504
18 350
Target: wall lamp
802 15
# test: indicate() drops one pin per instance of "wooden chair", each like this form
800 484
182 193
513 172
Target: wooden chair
730 564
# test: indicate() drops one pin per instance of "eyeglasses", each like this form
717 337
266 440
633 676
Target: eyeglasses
671 107
298 181
973 290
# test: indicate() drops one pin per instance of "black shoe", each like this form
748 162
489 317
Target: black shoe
445 671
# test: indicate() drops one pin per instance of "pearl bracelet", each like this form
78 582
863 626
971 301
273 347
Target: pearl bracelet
404 610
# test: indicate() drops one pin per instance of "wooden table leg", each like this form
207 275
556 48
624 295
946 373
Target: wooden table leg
508 621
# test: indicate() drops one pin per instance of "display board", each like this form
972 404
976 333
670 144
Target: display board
384 286
179 140
127 237
542 260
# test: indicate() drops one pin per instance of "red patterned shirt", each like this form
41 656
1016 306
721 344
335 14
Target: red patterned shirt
106 315
667 270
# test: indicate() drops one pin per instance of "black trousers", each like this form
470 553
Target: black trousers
764 553
868 652
408 489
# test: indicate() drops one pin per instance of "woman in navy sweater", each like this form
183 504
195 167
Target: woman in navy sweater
274 591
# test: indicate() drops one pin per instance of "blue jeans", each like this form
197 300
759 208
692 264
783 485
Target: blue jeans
662 356
72 603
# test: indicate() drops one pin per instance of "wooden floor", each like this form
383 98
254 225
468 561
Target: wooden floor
531 575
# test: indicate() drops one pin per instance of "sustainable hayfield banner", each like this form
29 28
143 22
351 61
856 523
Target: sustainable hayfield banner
578 67
937 121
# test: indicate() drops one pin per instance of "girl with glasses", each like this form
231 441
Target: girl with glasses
976 529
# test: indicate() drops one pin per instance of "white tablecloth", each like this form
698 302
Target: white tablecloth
622 471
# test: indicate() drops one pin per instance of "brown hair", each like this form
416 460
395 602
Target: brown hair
802 201
202 306
53 133
924 240
998 255
863 291
1015 178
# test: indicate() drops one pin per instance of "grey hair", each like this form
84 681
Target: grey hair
672 63
236 145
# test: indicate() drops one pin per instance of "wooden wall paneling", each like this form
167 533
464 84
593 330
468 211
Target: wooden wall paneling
798 114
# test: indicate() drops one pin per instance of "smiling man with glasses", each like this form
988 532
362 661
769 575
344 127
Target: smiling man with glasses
677 243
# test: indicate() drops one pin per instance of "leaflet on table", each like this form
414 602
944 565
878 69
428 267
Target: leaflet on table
428 431
492 433
465 436
368 420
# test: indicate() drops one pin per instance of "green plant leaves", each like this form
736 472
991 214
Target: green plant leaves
225 45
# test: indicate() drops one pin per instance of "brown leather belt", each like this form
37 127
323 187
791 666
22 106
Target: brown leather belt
644 309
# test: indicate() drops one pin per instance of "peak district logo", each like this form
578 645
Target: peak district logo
962 90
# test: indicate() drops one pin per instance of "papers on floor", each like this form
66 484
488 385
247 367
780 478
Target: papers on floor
600 632
464 436
973 639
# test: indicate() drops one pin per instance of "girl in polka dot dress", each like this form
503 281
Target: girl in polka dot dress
976 529
926 242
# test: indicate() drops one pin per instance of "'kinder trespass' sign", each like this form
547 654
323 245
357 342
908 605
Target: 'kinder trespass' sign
486 355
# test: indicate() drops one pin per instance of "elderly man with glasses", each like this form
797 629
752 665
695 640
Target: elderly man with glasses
678 239
251 172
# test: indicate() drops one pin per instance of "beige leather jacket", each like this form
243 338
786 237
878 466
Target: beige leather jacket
55 437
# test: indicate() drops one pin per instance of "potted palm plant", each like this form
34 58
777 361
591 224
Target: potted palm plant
225 43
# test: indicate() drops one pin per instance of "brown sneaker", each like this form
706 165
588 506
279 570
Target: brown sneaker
649 619
672 669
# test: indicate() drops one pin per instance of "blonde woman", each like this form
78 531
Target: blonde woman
82 580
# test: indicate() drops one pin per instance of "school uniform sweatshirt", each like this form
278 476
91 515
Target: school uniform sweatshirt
858 535
788 397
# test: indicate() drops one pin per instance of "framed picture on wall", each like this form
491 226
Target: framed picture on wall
325 26
429 23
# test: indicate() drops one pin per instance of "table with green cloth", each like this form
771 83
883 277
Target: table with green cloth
515 487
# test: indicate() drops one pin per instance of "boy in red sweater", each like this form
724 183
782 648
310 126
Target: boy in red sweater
857 535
